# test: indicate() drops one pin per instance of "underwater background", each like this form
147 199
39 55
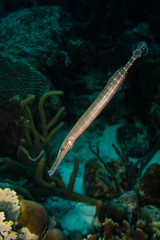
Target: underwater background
55 59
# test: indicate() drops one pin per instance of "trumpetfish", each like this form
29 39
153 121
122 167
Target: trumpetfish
97 106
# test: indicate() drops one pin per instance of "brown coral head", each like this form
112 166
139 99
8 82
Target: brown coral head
55 234
33 216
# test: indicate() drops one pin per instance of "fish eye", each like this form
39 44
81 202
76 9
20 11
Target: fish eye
62 148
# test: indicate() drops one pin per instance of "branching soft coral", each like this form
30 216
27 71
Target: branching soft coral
41 144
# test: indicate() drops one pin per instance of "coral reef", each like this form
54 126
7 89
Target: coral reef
48 130
107 179
148 186
35 153
27 80
133 139
75 46
145 226
31 146
25 219
54 234
9 211
35 25
124 217
31 65
6 228
37 223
